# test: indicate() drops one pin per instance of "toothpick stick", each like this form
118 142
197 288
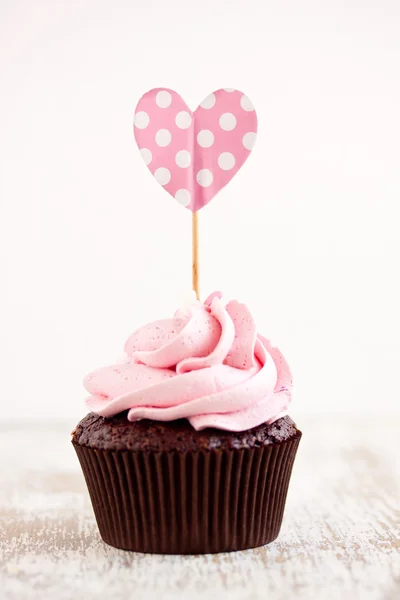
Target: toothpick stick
195 254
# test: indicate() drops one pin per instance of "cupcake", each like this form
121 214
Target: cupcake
188 447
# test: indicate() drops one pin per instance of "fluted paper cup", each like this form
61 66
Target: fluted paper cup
189 502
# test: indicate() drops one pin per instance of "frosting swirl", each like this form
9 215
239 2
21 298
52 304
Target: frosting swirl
207 364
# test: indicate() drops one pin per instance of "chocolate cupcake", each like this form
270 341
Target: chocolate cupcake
188 448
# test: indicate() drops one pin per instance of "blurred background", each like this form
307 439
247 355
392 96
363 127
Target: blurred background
307 233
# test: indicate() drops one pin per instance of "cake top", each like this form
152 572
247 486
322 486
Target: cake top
207 364
177 436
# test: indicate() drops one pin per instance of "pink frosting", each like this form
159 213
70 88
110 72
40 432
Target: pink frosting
207 364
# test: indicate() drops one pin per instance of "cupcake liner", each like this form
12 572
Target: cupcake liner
189 502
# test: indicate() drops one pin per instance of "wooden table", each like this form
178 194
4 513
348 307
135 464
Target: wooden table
340 536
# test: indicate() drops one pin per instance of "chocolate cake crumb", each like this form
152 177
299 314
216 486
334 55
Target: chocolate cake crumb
117 433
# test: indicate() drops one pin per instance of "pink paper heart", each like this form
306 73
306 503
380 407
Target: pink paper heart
193 155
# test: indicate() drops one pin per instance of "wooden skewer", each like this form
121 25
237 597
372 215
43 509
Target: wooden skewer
195 254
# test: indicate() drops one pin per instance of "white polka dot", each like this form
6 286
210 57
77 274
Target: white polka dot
183 119
163 137
205 138
246 103
249 139
183 158
183 197
163 99
146 155
227 121
204 177
208 102
142 119
229 89
226 161
162 175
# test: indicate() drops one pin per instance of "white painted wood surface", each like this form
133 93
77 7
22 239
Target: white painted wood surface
340 536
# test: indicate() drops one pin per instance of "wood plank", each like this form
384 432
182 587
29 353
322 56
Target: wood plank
340 536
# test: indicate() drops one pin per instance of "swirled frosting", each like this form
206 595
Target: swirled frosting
207 364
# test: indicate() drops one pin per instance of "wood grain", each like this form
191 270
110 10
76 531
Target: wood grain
195 255
340 536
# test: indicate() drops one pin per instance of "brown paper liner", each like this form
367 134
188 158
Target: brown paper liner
189 503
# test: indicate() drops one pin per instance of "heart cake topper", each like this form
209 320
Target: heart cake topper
193 155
